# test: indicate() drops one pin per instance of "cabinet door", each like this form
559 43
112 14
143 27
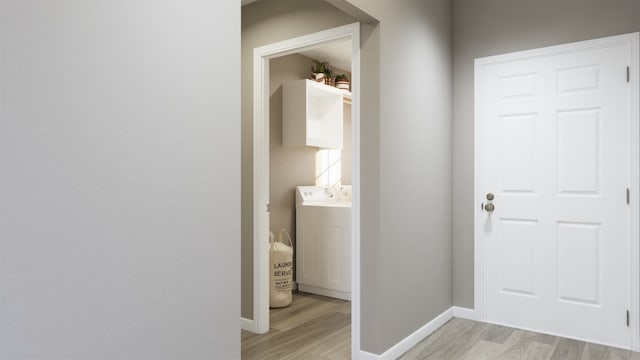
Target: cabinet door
312 115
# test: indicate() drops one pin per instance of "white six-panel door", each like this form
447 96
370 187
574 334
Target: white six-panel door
556 152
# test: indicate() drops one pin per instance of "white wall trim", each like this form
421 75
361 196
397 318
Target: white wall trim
260 190
368 356
478 271
465 313
480 63
261 57
355 192
248 324
635 196
410 341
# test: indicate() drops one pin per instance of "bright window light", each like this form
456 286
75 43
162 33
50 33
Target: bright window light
329 167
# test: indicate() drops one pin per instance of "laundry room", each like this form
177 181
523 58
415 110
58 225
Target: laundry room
310 171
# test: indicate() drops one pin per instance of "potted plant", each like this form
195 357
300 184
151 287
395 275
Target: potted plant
322 72
342 82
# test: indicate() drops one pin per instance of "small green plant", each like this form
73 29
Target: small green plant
322 67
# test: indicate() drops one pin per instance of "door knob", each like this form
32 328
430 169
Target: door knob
489 207
490 196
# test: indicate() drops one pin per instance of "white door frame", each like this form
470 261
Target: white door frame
627 39
261 57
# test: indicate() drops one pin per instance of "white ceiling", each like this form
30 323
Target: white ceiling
337 52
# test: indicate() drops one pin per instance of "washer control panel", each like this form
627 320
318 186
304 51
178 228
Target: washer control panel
312 194
323 195
343 192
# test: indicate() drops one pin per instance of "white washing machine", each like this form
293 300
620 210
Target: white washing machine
323 240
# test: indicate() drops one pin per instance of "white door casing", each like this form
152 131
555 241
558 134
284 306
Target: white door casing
557 144
261 57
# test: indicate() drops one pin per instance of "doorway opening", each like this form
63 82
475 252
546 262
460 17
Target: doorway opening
261 170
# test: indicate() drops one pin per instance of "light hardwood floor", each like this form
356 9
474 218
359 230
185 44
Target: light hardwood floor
464 339
319 328
312 327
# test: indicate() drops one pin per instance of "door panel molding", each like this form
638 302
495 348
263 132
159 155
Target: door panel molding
582 80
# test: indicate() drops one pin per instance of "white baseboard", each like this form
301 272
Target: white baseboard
407 343
248 324
465 313
410 341
368 356
325 292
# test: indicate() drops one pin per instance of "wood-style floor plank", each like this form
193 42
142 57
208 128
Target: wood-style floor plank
438 345
312 327
336 345
568 349
307 307
481 350
461 339
539 350
619 354
546 339
319 328
594 352
516 345
498 334
308 337
344 308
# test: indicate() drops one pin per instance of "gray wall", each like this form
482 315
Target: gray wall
406 168
120 171
288 167
265 22
483 28
293 166
370 269
406 131
406 154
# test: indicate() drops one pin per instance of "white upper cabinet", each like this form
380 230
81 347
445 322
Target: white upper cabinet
311 114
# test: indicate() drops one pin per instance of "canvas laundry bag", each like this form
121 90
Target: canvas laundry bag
280 269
